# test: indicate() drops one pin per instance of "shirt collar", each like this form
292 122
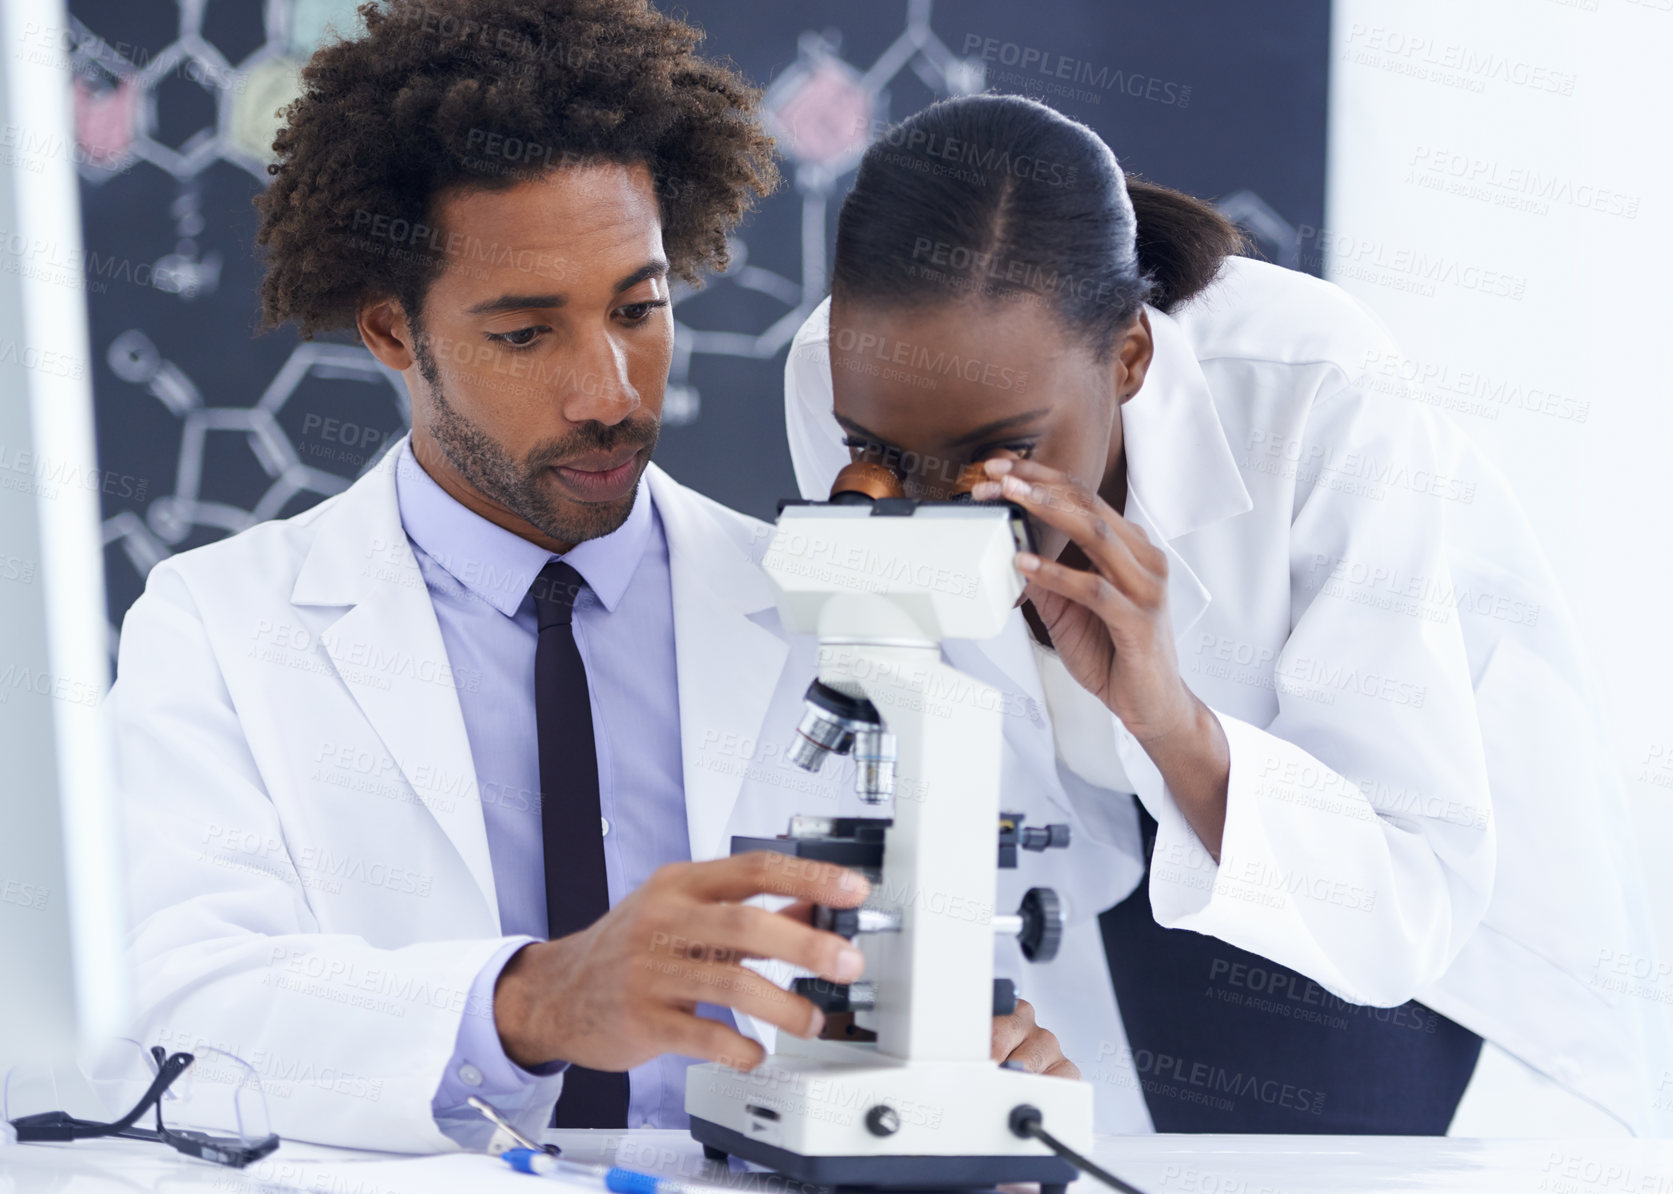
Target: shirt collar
499 566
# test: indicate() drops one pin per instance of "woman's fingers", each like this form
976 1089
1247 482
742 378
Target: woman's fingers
1111 554
1008 1033
1019 1038
1117 548
1034 473
1088 589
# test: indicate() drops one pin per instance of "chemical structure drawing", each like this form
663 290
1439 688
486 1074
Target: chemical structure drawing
824 113
119 89
823 110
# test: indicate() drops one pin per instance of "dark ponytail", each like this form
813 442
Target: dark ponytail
1000 197
1181 241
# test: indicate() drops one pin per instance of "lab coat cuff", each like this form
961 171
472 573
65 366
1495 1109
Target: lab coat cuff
1186 887
479 1065
1246 898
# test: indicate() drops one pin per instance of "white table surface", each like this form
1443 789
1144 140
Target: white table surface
1156 1164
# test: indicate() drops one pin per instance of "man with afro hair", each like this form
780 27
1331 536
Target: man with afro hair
429 788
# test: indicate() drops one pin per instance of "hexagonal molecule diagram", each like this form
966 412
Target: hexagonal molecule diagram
181 110
823 112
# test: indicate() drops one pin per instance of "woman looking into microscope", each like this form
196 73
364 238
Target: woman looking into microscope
1276 773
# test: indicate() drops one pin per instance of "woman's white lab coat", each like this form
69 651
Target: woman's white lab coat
1417 804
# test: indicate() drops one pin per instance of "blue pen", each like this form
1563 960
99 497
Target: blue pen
615 1178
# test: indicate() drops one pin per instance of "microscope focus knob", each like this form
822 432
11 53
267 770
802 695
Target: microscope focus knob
830 998
1042 924
844 922
835 998
1044 837
850 922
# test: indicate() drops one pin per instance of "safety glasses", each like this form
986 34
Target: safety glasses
215 1107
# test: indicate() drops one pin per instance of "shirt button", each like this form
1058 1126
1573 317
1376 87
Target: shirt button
604 822
470 1075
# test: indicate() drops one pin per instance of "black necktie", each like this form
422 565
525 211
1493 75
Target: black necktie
571 827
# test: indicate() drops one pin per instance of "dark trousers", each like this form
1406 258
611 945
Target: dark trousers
1223 1040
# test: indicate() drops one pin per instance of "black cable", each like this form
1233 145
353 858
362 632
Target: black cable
1028 1123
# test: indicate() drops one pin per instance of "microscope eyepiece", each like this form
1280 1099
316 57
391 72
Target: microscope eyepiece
968 478
865 481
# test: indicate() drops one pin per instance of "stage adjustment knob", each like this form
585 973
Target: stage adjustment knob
1042 924
844 922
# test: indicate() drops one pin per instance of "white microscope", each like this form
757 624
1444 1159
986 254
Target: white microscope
911 1099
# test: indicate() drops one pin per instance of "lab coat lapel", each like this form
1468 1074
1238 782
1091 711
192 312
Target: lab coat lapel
388 650
728 664
1188 597
1181 474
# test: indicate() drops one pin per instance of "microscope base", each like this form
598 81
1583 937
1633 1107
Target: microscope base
887 1172
839 1114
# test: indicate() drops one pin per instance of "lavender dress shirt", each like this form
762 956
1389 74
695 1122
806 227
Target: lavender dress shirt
478 575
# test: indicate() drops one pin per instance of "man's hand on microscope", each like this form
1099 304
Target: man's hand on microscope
1018 1038
626 989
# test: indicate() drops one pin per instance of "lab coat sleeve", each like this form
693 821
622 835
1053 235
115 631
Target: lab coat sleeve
350 1040
1359 842
516 1093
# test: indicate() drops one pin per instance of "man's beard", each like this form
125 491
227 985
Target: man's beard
525 488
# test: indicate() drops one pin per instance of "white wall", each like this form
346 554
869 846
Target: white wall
1501 193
